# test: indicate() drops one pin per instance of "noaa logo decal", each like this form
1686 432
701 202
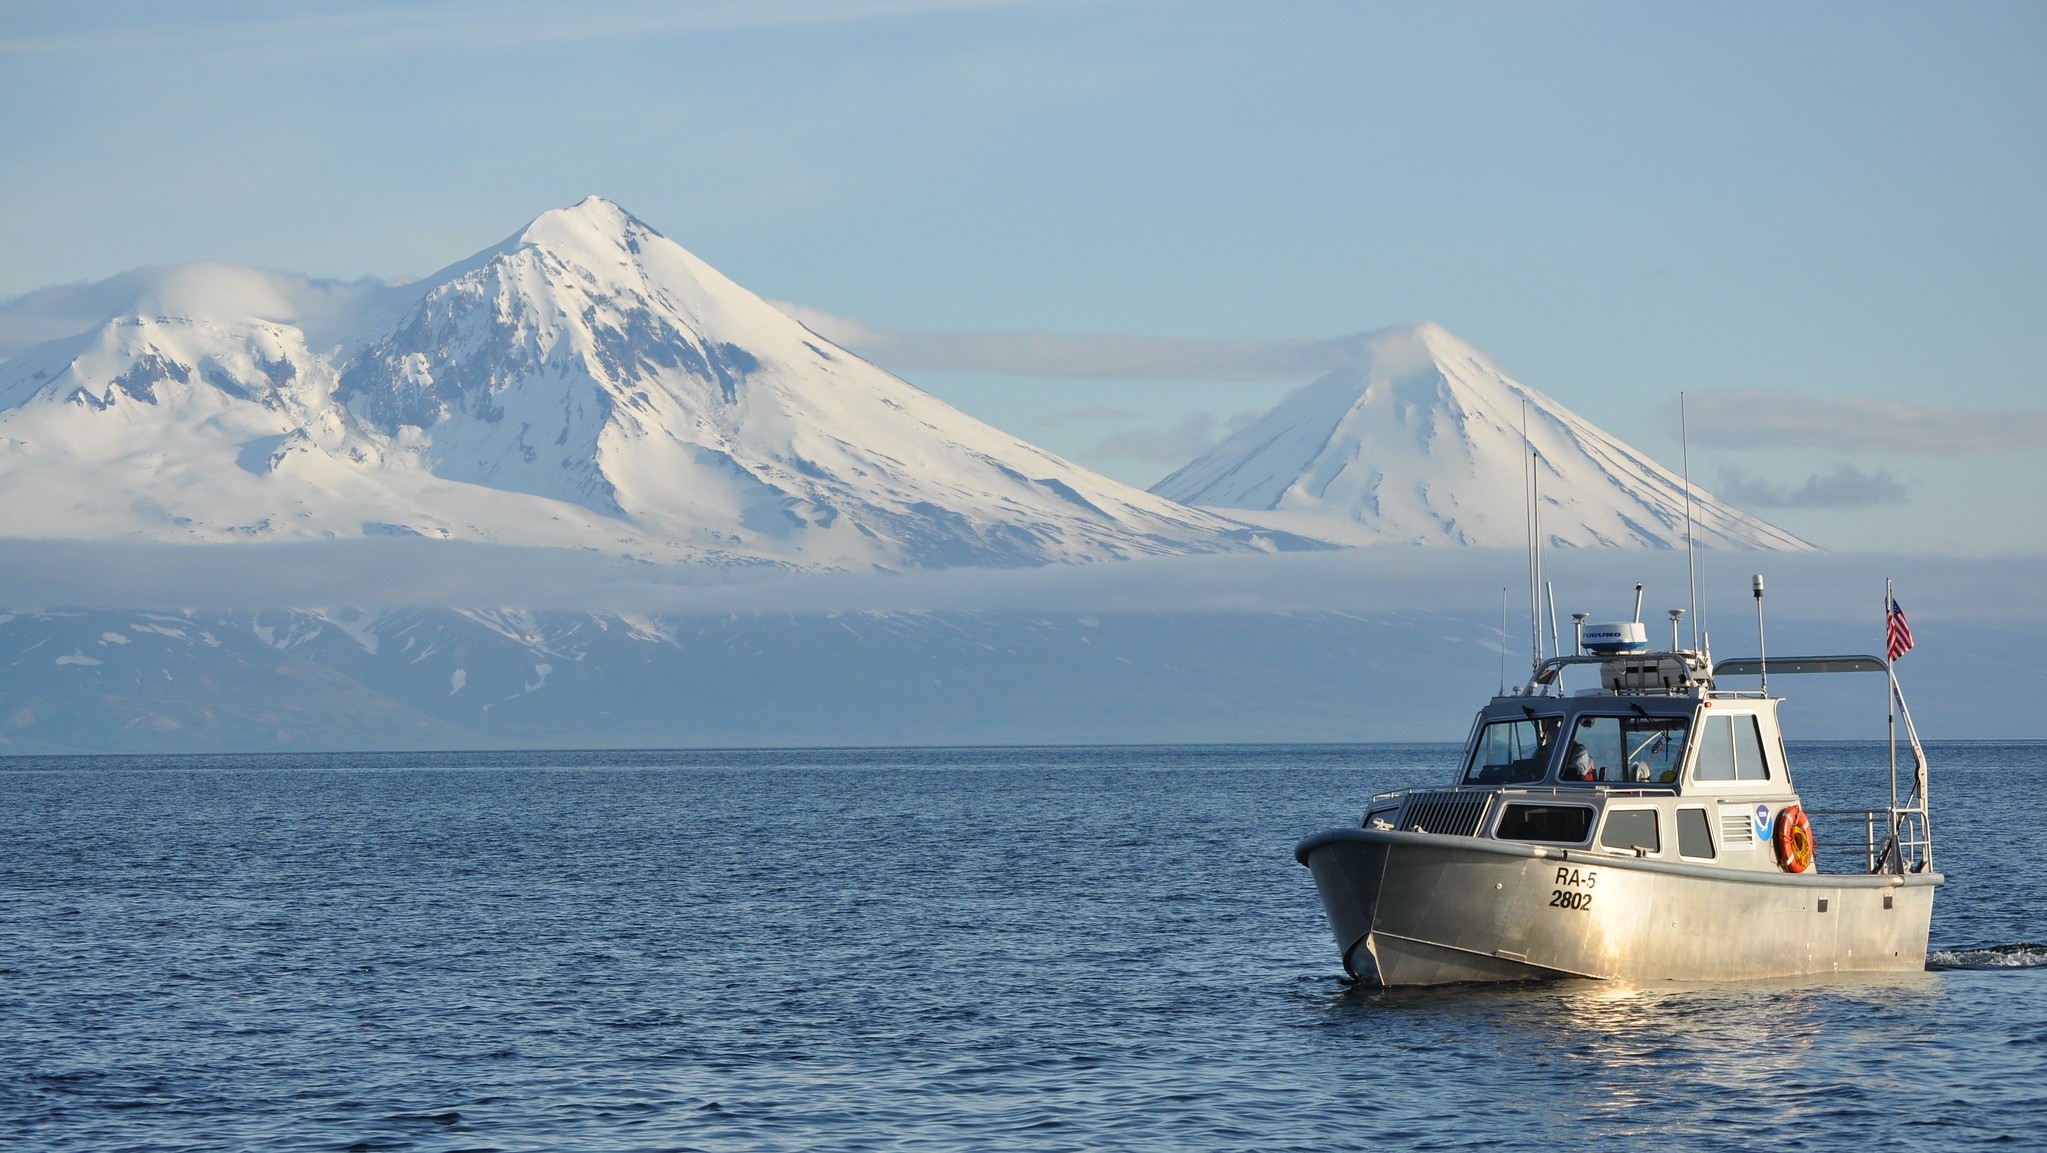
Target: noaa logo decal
1762 822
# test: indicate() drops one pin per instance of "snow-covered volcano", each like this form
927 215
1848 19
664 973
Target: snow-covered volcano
588 382
1421 443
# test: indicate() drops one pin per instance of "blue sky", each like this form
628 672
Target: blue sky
1834 208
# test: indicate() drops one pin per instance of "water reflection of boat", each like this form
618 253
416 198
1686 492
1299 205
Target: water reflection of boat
1646 828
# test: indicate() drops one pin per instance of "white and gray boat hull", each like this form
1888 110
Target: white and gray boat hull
1428 909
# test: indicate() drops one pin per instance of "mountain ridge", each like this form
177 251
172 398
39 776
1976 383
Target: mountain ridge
585 383
588 383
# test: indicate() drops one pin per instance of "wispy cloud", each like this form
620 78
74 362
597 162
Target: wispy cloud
1088 414
1762 418
1845 487
459 24
1195 434
323 309
1087 356
62 310
843 331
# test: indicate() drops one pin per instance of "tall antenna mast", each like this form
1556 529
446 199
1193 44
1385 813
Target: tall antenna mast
1503 654
1528 520
1549 592
1684 436
1535 492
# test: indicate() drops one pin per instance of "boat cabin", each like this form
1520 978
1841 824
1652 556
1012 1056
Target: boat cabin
1654 763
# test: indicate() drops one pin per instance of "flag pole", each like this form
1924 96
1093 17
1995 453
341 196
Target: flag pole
1918 775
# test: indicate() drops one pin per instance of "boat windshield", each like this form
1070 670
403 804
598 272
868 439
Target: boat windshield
1631 748
1512 752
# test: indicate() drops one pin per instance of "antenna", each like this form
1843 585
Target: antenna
1503 640
1578 633
1535 489
1528 520
1684 437
1550 590
1762 650
1675 616
1638 603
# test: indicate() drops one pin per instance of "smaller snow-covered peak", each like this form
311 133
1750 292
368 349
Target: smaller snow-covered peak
1422 441
1399 351
1402 348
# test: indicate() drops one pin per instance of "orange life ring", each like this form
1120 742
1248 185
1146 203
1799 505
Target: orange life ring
1794 840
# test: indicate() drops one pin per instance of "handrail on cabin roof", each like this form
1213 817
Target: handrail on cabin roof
1753 666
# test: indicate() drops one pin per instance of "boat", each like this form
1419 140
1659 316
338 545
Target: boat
1645 828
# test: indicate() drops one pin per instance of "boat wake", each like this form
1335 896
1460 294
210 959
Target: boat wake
2024 955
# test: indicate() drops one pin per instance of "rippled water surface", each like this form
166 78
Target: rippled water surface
952 948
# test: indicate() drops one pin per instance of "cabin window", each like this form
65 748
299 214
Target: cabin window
1694 834
1630 829
1512 752
1748 750
1559 824
1635 749
1730 749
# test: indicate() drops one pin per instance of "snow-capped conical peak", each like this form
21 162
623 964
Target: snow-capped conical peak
594 233
592 219
610 252
1422 442
521 363
590 378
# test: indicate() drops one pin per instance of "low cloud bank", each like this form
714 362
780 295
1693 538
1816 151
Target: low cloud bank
1763 418
38 575
1845 487
1087 356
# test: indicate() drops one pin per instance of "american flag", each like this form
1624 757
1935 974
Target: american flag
1900 632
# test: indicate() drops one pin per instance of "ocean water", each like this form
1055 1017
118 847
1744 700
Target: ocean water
1076 948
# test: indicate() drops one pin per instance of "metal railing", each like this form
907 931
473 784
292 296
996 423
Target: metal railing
1908 851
